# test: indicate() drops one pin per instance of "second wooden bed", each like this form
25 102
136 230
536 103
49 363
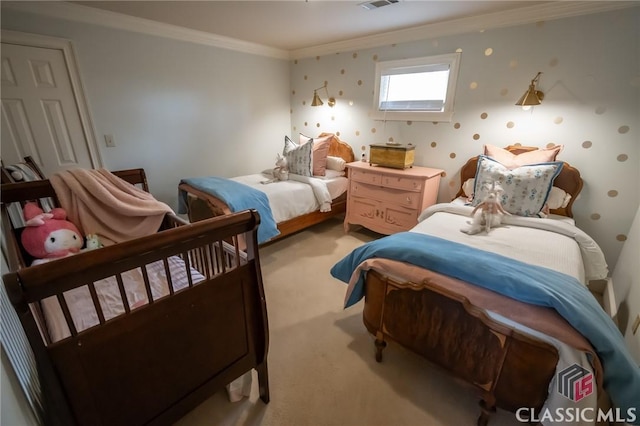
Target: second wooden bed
202 205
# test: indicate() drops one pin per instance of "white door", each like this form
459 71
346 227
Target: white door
41 116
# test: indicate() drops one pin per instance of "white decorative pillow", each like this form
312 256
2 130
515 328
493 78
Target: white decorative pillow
331 174
558 198
526 188
468 187
336 163
299 157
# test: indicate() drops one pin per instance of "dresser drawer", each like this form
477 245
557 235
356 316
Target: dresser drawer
365 176
407 184
389 195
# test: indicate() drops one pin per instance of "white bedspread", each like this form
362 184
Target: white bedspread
297 196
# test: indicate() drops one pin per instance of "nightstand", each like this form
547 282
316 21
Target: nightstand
389 200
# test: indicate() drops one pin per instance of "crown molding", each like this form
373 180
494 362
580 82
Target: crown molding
90 15
524 15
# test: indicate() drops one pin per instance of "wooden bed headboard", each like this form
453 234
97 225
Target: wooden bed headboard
338 148
568 180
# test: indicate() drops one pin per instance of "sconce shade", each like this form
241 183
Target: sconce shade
532 96
331 101
316 99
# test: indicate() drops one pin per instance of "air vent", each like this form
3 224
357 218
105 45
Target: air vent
375 4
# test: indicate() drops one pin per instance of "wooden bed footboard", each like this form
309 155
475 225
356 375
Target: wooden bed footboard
157 360
507 368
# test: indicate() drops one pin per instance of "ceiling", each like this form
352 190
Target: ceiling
298 24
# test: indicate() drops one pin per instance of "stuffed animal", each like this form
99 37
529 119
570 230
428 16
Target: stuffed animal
488 214
49 235
92 242
281 171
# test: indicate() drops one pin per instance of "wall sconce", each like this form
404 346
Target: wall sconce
532 96
331 101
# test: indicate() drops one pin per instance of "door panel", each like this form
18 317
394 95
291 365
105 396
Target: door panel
40 116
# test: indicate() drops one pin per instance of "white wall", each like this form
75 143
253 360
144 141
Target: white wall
177 109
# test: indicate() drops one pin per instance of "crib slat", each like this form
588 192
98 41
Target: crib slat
187 266
67 314
147 285
96 302
167 272
123 294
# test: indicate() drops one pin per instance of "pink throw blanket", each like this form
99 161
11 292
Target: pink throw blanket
98 202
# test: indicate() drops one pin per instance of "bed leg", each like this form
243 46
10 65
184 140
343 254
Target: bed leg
263 382
486 412
380 345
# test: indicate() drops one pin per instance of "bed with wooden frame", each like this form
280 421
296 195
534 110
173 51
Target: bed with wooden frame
507 367
202 205
157 359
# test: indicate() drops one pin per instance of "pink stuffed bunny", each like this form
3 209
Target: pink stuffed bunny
49 235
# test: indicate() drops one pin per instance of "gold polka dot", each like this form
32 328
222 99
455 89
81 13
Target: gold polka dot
473 85
623 129
375 57
488 51
622 157
452 155
306 124
373 130
510 124
317 58
595 216
540 24
484 115
291 111
358 134
333 118
456 126
513 63
558 120
342 71
390 139
293 92
433 144
363 147
517 144
612 193
306 77
621 237
551 144
459 50
587 144
338 133
355 55
553 62
409 123
601 110
317 124
435 123
295 62
452 183
359 82
504 92
476 136
304 102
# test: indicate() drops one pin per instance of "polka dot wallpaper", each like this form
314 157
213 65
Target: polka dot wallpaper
590 78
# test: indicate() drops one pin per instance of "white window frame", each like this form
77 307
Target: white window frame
407 66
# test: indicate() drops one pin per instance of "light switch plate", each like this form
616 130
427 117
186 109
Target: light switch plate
108 140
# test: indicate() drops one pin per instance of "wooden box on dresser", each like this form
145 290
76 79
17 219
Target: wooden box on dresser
389 200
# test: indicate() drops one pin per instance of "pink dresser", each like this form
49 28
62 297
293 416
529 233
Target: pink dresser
389 200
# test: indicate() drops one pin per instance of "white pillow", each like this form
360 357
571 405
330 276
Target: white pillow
331 174
526 188
558 198
467 187
336 163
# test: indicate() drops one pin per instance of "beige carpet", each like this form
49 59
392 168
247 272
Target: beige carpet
322 369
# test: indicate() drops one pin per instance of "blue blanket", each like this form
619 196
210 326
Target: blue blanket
520 281
238 197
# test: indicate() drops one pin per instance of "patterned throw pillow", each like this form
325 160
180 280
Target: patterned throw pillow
526 188
299 157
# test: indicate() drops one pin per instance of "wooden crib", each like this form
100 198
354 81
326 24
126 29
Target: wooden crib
155 359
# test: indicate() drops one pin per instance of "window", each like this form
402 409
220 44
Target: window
419 89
